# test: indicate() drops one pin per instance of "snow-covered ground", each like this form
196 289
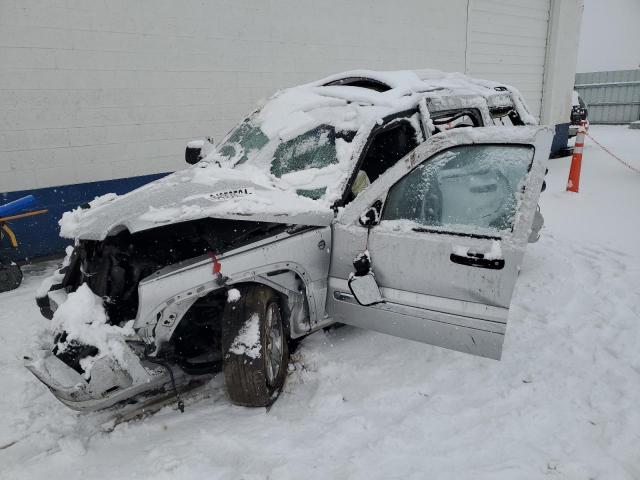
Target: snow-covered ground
564 401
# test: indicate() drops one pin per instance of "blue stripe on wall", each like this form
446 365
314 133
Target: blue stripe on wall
39 236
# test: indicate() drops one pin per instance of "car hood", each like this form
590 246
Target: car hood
199 192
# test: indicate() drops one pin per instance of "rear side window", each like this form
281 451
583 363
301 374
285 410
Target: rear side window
506 117
443 121
472 189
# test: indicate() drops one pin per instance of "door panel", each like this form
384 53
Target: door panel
454 332
446 253
421 262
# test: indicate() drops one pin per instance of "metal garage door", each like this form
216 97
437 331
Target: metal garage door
507 41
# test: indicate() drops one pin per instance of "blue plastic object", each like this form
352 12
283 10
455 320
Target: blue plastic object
16 206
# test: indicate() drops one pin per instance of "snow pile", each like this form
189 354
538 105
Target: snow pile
71 220
57 276
494 253
233 295
210 174
82 316
247 342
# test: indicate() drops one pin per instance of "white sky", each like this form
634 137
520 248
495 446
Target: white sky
610 36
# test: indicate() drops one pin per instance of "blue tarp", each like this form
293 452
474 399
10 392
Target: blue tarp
39 236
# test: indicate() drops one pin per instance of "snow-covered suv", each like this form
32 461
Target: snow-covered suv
400 202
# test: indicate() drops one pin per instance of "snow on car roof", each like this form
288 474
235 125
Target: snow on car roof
349 105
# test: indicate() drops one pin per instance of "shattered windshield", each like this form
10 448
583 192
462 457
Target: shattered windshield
246 138
314 149
305 163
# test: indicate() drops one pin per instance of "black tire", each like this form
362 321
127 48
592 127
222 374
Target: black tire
250 375
10 277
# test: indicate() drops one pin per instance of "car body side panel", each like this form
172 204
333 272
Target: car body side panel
423 259
305 253
453 331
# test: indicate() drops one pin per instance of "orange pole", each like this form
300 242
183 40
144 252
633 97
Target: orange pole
573 183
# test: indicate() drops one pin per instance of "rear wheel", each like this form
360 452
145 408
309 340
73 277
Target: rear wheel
254 338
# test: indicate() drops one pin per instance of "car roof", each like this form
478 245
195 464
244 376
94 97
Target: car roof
415 81
348 100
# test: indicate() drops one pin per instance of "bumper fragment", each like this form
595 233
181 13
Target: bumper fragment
109 382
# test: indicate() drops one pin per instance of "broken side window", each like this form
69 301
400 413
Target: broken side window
475 186
444 121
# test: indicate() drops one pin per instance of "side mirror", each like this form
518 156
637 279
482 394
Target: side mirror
363 284
365 289
197 149
372 216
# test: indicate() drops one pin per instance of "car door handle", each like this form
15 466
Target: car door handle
477 260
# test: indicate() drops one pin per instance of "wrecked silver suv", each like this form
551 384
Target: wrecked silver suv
400 202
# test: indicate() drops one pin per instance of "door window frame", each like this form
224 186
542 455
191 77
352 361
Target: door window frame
524 135
388 123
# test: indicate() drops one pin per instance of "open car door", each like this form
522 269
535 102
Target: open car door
431 250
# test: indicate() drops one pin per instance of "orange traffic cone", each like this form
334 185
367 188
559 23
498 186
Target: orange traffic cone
573 184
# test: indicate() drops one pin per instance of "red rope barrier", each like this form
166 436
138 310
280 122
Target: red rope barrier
631 167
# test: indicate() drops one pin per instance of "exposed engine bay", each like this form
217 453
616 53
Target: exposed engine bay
113 269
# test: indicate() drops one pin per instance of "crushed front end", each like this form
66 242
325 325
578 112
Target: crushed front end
110 381
124 361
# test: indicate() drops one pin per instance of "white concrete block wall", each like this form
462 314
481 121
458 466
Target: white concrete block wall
94 89
562 55
507 43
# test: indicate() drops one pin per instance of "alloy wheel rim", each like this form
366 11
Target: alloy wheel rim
275 343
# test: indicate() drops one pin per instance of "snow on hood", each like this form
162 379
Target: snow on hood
205 190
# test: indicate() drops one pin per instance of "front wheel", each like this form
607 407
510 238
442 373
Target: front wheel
254 338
